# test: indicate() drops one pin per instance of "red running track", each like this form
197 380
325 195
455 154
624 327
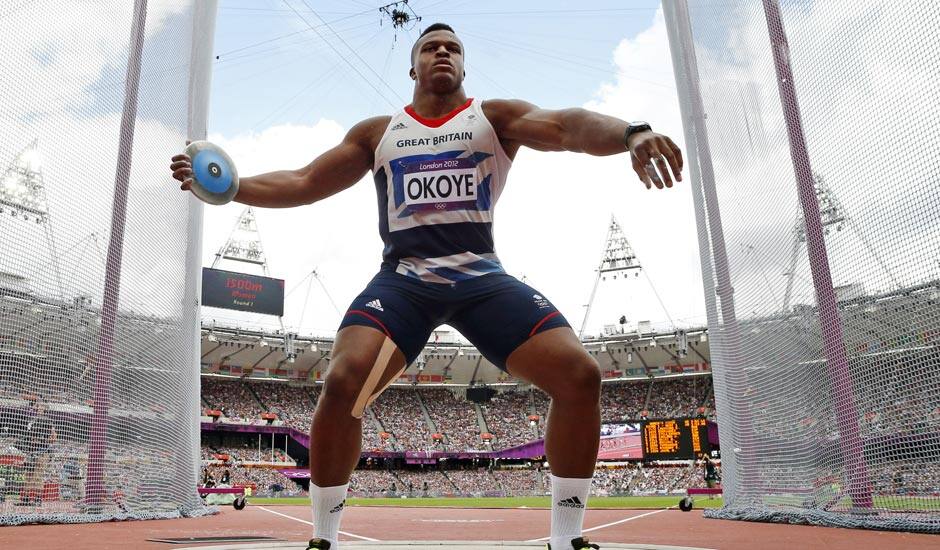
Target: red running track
666 527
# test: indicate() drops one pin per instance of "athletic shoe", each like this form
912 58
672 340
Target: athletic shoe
580 543
318 544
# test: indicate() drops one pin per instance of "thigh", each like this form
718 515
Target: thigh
399 307
556 362
501 313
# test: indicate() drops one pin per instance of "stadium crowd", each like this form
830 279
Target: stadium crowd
472 482
677 396
455 418
507 418
518 482
245 453
234 399
293 405
399 411
512 418
631 479
621 402
264 481
372 482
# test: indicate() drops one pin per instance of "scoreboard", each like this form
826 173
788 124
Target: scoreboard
674 438
242 292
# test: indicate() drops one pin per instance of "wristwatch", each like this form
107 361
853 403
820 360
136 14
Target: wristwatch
634 127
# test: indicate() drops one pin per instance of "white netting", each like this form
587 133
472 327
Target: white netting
99 386
813 134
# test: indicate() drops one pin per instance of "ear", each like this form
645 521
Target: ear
413 74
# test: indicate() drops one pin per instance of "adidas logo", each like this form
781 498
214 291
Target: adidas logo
573 502
375 304
399 126
338 507
537 297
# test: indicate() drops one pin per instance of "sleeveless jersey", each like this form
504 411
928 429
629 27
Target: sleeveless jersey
437 183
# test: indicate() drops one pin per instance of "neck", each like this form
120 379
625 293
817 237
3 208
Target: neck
437 105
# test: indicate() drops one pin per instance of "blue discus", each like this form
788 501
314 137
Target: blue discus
215 179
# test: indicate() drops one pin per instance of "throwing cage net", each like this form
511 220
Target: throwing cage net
99 346
812 133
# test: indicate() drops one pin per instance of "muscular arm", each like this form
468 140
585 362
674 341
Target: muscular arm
576 130
328 174
333 171
580 131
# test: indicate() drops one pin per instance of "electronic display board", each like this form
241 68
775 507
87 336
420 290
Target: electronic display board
242 292
674 438
620 441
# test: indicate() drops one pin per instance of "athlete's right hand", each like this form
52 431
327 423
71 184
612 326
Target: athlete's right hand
182 167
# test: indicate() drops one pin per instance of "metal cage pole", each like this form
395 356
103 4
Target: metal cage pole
104 353
708 214
837 365
200 76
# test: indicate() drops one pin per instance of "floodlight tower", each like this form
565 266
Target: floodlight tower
618 258
23 195
244 243
833 217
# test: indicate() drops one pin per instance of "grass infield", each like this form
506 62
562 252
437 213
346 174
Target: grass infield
642 503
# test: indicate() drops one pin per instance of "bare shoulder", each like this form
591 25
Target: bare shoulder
368 132
504 111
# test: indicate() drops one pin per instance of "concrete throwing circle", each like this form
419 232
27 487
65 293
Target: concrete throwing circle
432 545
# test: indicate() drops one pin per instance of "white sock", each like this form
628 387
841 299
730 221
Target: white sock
569 500
328 504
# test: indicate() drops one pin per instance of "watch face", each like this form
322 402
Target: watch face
639 123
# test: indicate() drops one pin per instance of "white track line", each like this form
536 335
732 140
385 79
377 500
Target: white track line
311 524
609 524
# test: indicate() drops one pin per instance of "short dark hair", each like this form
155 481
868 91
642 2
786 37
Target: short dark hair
433 27
437 27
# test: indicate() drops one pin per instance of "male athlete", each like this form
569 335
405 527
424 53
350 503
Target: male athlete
439 167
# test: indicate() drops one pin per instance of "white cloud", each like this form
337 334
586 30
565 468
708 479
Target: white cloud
577 194
338 237
61 79
52 62
859 68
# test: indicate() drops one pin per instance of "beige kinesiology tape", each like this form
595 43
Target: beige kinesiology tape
367 394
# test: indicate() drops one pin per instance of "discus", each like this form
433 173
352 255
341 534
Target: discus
215 179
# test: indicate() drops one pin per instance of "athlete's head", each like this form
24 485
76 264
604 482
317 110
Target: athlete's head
437 59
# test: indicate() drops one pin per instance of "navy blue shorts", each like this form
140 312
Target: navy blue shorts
496 312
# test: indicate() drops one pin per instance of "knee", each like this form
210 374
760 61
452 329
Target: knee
583 382
342 385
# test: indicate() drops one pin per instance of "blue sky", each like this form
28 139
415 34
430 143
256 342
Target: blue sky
272 69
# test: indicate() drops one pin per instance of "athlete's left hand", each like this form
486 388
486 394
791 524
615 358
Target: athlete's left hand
650 153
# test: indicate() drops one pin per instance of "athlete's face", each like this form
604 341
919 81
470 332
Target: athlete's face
438 62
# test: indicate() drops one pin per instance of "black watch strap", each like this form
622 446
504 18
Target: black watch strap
634 127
